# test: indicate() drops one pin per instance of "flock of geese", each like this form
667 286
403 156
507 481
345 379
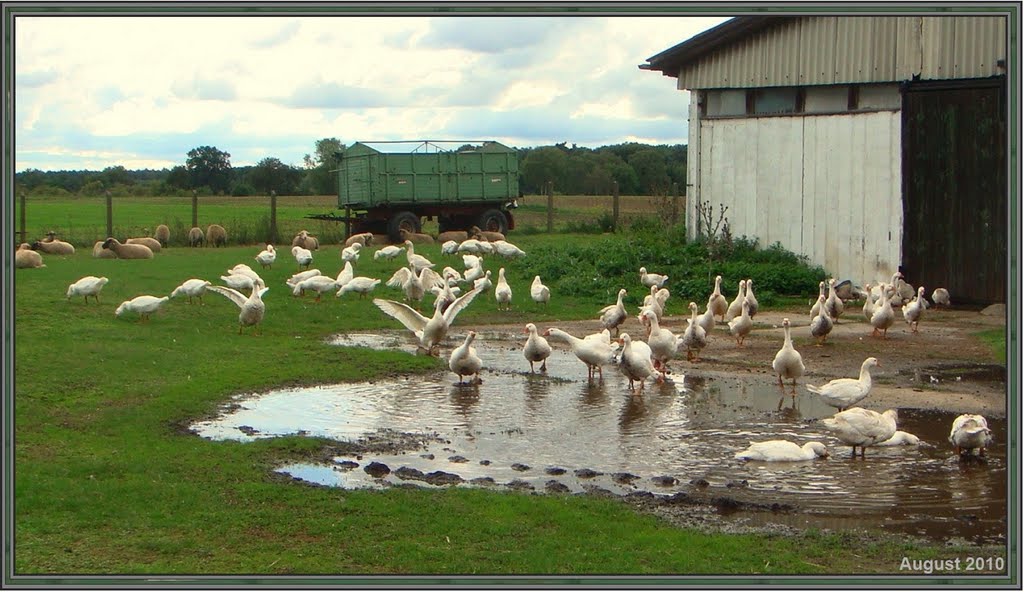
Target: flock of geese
637 359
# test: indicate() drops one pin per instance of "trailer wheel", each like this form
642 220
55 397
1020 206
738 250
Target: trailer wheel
493 221
403 221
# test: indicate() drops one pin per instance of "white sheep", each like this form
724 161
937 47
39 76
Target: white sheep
306 241
216 235
152 243
162 234
196 237
26 258
128 251
53 246
100 253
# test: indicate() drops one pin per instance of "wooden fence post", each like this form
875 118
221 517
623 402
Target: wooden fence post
551 207
273 217
615 206
195 208
110 215
675 203
24 237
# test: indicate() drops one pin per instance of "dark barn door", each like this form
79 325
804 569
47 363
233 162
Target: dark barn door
954 188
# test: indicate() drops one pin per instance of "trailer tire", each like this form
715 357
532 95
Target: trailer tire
493 221
406 220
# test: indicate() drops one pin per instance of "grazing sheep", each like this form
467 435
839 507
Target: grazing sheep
478 234
416 237
362 238
453 235
128 251
152 243
216 236
162 234
100 253
196 237
26 258
88 286
306 241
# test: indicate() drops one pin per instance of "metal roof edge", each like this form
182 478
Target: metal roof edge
669 61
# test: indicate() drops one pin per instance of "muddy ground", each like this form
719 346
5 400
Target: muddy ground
916 370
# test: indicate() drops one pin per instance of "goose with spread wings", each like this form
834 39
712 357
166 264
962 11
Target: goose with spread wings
428 331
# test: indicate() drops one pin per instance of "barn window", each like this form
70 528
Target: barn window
879 96
726 103
826 99
775 100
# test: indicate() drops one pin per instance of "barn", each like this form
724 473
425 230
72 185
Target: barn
867 143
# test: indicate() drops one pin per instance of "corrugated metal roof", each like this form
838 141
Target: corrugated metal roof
750 52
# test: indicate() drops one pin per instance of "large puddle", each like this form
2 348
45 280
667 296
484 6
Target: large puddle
559 433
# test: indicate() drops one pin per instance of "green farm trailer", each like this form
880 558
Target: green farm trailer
475 184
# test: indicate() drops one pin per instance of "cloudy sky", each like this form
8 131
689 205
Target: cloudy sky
99 91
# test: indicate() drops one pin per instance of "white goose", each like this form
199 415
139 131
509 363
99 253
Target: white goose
410 282
833 304
298 277
429 332
503 292
782 451
707 320
862 427
869 304
901 438
243 269
267 256
507 250
750 298
788 362
652 280
475 273
913 311
593 351
940 296
449 247
87 286
653 303
464 361
843 393
717 302
883 317
345 275
740 326
539 292
970 432
317 283
193 288
360 285
663 343
351 253
389 252
735 306
484 283
536 348
614 315
252 308
695 338
821 325
302 256
237 281
141 305
419 261
635 361
820 301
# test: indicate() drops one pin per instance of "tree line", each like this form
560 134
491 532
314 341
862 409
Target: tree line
638 169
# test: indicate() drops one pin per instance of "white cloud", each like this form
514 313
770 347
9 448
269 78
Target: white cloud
149 88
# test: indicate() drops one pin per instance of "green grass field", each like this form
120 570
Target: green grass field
108 482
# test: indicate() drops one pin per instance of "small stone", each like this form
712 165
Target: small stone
738 484
664 480
625 478
556 487
458 459
347 465
409 473
554 471
586 473
442 478
699 482
377 469
482 481
520 467
485 462
519 484
429 456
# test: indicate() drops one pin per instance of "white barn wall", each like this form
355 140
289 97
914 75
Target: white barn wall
824 186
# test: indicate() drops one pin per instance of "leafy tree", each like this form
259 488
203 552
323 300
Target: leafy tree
115 175
270 174
210 167
543 165
652 170
178 177
320 166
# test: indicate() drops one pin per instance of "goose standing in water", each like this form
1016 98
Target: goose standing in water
464 361
429 332
594 350
788 362
536 348
635 361
843 393
695 338
862 427
970 432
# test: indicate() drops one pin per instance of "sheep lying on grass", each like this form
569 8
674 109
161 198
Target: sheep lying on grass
26 258
152 243
51 245
479 234
100 253
216 236
453 235
162 234
124 251
196 237
88 286
416 237
362 238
